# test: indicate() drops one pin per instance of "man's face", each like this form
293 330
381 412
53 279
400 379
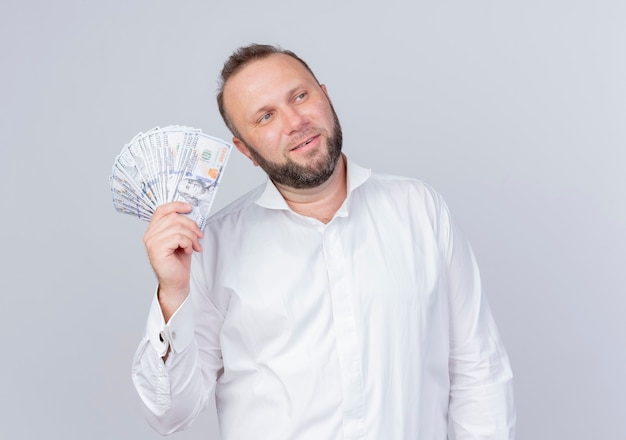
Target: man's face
285 121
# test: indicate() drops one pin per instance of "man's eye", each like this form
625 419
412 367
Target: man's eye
301 96
265 117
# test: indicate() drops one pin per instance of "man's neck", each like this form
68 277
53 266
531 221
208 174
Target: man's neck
323 201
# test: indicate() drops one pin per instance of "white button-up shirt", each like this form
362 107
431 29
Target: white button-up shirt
372 326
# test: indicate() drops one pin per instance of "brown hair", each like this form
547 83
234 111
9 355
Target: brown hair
240 58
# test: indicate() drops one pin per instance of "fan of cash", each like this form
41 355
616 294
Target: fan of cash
173 163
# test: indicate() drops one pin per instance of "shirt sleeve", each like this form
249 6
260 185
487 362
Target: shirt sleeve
481 382
174 392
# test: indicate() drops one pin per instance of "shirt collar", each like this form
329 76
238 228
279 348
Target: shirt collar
356 175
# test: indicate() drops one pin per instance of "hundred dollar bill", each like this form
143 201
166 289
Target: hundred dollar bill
198 185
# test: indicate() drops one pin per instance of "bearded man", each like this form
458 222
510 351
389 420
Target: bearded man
330 302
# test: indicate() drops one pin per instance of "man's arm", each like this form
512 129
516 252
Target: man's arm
176 390
481 382
172 373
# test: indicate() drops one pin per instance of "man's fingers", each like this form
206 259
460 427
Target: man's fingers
171 237
170 208
167 218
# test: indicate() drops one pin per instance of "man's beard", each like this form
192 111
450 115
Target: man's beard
298 176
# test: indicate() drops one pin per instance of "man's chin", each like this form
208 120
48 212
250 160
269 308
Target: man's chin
299 176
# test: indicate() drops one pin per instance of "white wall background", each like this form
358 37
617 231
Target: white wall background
514 111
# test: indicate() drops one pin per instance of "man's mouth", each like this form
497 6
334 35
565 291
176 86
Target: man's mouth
305 143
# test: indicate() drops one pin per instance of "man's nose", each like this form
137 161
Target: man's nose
293 119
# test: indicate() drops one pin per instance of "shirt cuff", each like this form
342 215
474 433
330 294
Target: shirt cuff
177 333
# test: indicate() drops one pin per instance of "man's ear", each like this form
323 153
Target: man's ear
242 147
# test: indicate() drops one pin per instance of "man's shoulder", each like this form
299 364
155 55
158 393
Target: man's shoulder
402 194
394 184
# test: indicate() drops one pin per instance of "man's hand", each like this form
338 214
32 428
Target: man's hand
170 241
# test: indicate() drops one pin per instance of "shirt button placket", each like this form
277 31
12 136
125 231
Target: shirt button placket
346 337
